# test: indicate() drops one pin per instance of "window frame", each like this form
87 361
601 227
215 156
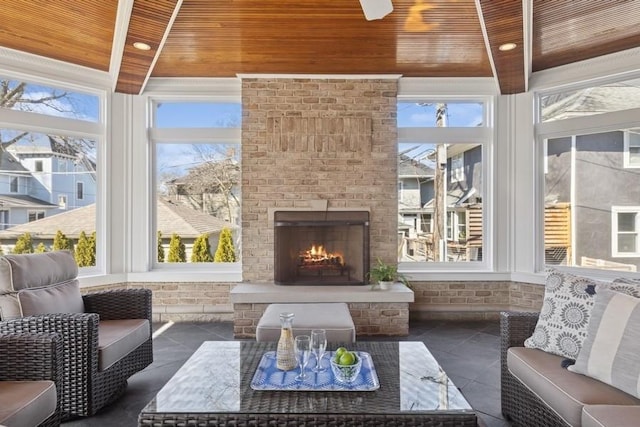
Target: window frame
64 126
615 210
614 121
187 136
628 164
481 135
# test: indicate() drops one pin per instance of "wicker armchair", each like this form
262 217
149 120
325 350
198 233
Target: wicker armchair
31 357
92 376
519 404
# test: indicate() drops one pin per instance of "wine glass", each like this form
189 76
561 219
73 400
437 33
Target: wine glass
303 354
318 346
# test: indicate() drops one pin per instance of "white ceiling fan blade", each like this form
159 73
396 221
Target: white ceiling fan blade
376 9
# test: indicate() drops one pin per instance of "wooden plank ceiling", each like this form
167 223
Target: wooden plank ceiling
420 38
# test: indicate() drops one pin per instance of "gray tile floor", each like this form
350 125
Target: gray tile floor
468 352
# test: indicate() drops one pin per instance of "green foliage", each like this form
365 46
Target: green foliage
382 272
177 251
24 244
160 248
225 251
41 248
201 251
85 250
60 242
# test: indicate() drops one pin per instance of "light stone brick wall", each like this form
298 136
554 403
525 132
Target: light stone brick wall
206 302
305 140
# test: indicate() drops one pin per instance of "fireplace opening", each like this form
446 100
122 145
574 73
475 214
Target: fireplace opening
321 247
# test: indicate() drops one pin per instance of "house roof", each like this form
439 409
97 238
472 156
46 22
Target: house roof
8 163
593 100
409 167
24 201
172 218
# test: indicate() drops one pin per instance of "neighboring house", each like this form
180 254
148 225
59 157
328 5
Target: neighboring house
59 173
464 205
605 224
415 189
172 218
42 179
212 187
17 204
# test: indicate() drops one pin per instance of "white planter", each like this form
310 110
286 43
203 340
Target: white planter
385 285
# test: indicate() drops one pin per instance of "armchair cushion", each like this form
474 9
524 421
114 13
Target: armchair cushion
26 403
27 273
61 298
117 338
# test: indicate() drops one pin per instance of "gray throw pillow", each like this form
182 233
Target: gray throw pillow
60 298
611 351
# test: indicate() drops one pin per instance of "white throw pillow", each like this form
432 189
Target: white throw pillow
611 351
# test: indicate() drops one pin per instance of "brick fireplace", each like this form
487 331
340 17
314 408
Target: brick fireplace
318 144
306 141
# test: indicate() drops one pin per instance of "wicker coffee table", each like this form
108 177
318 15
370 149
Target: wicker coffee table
214 388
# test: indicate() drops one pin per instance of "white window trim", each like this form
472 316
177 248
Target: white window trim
571 127
46 124
146 259
484 136
627 160
615 210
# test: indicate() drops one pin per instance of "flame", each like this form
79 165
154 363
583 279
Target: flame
319 255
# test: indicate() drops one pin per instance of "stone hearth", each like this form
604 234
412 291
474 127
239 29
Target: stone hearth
373 312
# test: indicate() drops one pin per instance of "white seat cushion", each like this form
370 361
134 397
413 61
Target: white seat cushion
117 338
335 318
26 403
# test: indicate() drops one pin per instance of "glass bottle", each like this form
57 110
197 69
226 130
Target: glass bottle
285 355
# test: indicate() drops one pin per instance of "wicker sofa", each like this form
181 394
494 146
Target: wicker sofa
537 391
106 336
30 376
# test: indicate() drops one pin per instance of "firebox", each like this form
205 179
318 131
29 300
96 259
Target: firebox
321 247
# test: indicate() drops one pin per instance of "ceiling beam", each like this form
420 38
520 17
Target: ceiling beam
503 23
149 23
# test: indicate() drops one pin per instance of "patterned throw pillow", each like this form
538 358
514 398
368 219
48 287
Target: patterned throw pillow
611 350
565 314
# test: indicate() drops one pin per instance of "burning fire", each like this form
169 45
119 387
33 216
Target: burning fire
317 255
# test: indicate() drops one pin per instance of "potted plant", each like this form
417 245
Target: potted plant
384 275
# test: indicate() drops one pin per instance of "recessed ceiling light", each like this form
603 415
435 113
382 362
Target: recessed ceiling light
141 46
507 46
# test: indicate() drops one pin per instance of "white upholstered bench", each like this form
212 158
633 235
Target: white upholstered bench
333 317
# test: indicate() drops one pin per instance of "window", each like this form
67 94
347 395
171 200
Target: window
15 184
442 173
457 167
4 219
40 150
632 148
626 231
590 198
196 180
80 190
35 215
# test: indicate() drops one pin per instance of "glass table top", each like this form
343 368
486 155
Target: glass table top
217 377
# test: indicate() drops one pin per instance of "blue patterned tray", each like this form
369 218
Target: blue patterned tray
269 377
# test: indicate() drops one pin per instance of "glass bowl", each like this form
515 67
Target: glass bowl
346 373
